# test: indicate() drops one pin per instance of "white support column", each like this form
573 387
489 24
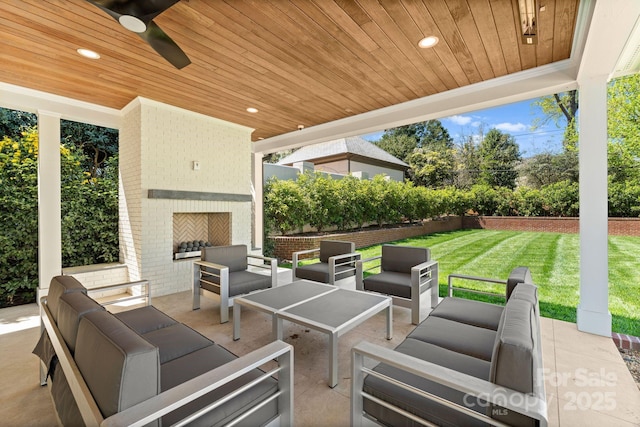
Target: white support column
49 200
258 217
593 309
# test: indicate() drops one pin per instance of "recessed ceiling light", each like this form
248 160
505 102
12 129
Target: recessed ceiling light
132 23
260 138
252 110
428 42
88 53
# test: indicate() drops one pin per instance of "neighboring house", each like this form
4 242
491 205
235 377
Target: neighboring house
352 155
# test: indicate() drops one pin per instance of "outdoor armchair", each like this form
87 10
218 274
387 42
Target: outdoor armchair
406 272
223 270
337 261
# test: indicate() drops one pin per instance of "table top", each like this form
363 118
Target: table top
326 306
337 308
284 296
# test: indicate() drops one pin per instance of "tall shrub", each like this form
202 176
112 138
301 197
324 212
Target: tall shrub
19 218
284 206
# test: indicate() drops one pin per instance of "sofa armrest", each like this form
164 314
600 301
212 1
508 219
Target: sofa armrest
360 269
476 279
527 404
295 258
143 283
162 404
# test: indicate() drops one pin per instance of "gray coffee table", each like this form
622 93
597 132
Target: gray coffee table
318 306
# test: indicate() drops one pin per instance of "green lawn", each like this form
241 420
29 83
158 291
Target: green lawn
554 262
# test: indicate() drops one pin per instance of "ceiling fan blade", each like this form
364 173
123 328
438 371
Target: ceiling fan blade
143 10
162 43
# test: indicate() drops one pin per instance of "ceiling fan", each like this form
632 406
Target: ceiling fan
137 16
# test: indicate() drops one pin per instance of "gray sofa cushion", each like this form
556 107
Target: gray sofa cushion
145 319
191 365
512 361
402 258
424 408
512 365
527 292
120 368
389 283
518 275
175 341
329 248
233 256
71 308
459 337
475 313
58 286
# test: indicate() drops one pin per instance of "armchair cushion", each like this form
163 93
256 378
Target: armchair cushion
401 258
389 283
319 272
241 282
329 248
234 256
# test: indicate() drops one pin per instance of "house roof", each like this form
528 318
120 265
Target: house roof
351 145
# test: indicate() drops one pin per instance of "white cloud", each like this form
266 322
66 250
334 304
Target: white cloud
460 120
476 123
511 127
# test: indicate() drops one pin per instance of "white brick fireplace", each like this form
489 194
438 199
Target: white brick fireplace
158 147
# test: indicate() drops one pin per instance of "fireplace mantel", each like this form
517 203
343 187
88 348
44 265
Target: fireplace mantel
198 195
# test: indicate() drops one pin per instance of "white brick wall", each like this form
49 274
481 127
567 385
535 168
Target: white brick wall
158 144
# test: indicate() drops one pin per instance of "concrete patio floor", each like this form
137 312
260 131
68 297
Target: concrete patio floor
588 383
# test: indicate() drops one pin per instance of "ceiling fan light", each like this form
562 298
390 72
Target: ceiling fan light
132 23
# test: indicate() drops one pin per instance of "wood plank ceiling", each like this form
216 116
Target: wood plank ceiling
299 62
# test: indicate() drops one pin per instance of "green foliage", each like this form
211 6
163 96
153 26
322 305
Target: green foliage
547 168
624 198
433 168
89 222
528 202
284 205
97 143
19 217
14 122
499 154
398 145
561 198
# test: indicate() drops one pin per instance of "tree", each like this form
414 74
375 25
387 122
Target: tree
433 168
499 154
427 134
548 168
97 143
624 128
561 108
398 145
467 164
14 122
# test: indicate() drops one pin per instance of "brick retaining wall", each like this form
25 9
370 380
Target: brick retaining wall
285 245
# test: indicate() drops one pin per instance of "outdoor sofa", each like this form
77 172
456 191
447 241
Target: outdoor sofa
141 367
468 363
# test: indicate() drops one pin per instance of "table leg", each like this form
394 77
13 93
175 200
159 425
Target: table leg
236 321
333 360
277 327
390 321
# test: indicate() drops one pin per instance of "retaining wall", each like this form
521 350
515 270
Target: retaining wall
285 245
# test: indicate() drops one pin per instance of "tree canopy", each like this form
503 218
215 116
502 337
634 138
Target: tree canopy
499 155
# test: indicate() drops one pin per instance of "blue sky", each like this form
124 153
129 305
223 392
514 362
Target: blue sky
515 119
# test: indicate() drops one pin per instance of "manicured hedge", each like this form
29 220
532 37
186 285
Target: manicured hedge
320 201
